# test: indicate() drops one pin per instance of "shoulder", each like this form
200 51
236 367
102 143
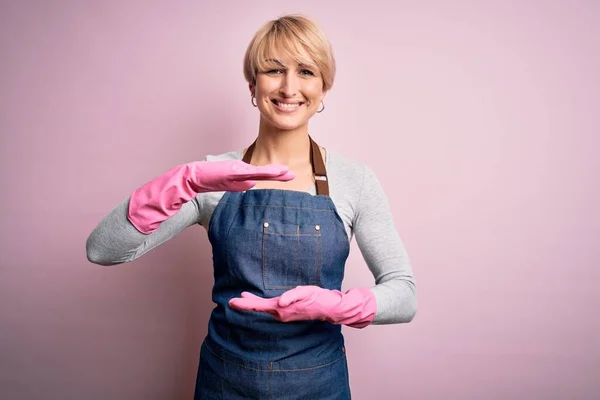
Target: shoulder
342 168
346 176
354 181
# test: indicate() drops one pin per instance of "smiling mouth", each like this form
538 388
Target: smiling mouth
287 106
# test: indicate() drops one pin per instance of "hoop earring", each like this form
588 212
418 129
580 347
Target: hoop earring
252 101
321 110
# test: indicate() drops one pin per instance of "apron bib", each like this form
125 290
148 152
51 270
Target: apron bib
268 241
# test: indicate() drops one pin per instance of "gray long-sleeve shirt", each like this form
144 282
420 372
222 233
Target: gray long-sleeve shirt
360 202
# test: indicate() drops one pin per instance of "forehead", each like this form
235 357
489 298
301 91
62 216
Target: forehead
288 54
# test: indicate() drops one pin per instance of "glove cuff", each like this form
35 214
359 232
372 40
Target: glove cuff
357 308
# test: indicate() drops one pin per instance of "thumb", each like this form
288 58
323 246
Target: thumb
291 296
288 176
248 295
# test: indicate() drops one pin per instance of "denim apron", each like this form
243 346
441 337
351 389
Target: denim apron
268 241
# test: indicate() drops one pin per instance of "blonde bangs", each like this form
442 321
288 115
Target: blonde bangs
295 37
281 44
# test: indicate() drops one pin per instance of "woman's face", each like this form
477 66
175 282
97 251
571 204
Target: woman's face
288 94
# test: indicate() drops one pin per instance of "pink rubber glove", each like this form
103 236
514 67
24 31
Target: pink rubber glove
355 308
162 197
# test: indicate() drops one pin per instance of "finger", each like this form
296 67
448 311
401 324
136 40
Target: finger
245 172
242 305
240 186
290 297
288 176
285 176
254 303
248 295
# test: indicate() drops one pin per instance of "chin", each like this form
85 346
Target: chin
287 125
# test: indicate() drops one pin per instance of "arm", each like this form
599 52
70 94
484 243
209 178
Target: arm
164 206
115 240
393 298
385 255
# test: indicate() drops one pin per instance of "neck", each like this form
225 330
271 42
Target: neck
277 146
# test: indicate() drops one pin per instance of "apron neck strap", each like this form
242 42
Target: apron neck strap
316 160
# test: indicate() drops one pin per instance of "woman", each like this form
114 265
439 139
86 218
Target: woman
280 216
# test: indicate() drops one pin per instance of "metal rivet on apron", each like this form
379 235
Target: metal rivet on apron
266 224
318 227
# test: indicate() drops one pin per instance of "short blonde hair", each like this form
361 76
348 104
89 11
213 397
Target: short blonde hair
300 38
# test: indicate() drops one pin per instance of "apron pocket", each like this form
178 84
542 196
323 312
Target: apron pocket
291 255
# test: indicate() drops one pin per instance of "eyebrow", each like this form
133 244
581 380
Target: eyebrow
277 61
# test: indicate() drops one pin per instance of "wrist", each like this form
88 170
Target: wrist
357 308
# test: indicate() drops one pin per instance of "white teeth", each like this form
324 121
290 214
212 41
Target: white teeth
288 105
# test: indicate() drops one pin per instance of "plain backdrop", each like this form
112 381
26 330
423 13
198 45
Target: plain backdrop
481 120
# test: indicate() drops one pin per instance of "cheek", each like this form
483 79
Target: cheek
265 86
315 100
315 92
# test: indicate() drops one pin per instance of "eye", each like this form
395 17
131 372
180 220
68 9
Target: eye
274 71
306 72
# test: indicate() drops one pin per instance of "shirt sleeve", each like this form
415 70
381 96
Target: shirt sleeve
384 254
115 240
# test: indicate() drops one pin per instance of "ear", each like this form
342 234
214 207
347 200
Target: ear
251 87
323 95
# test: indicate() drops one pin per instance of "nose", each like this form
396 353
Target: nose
289 84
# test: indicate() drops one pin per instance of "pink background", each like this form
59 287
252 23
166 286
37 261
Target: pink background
481 121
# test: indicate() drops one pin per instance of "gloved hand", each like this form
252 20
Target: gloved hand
355 308
163 196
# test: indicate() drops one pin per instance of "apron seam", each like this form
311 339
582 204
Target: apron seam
276 205
270 368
